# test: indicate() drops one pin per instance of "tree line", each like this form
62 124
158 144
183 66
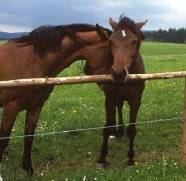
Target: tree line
172 35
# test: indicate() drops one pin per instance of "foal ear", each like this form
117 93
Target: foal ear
141 24
101 33
112 23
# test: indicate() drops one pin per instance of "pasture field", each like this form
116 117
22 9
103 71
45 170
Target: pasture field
72 155
2 41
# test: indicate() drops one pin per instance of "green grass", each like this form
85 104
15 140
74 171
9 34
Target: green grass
2 41
73 155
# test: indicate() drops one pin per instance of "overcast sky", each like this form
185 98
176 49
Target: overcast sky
26 15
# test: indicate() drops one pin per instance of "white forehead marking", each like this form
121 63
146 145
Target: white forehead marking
123 33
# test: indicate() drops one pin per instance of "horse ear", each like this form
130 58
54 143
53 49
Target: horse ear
141 24
112 23
101 33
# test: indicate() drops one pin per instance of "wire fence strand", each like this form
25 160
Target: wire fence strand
89 129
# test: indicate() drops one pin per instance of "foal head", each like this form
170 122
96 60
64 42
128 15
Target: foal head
125 42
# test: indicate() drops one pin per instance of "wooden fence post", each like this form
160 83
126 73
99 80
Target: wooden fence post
184 129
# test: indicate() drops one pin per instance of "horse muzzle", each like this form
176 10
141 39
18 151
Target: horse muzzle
119 77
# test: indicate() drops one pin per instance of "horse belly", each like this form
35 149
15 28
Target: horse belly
25 97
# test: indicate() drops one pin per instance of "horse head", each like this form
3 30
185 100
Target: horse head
98 56
125 43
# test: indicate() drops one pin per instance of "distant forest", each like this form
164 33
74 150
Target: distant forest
172 35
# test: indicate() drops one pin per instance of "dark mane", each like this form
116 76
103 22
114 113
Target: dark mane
48 38
130 24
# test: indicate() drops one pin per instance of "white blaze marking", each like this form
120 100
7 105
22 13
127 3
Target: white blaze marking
123 33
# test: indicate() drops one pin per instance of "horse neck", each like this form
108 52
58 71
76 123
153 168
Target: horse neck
84 50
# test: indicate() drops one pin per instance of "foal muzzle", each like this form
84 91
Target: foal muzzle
119 77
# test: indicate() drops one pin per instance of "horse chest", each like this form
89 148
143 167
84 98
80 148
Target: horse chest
123 91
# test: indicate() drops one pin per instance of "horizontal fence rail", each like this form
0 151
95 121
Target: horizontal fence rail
85 79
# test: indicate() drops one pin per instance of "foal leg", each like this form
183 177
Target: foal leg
108 130
131 129
10 111
32 116
120 131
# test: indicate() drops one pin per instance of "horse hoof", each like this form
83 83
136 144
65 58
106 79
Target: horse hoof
29 176
130 163
101 165
30 172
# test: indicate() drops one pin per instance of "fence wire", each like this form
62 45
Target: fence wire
89 129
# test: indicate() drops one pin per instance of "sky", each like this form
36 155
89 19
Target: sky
26 15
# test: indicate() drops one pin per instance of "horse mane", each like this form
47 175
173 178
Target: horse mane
130 24
48 38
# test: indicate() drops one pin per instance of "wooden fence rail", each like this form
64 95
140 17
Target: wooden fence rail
84 79
102 78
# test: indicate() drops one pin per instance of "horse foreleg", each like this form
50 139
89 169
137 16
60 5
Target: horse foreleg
32 116
109 129
131 129
131 132
104 151
10 111
121 127
9 115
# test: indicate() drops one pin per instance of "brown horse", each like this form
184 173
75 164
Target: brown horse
44 52
125 43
